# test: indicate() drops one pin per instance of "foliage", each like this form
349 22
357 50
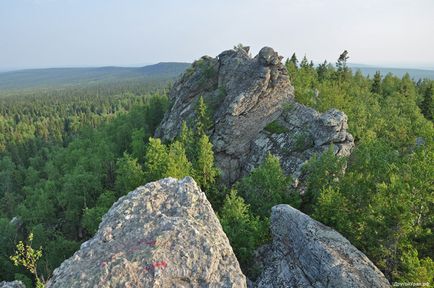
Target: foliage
26 256
59 188
178 165
244 230
67 154
267 186
202 119
156 160
204 166
275 127
382 202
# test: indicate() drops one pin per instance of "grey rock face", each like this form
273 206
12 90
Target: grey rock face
13 284
163 234
306 253
245 94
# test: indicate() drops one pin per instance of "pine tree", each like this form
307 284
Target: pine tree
202 121
294 60
376 84
341 66
304 63
156 160
205 170
322 71
186 137
178 165
291 67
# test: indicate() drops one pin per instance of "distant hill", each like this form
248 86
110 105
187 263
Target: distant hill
77 76
414 73
165 71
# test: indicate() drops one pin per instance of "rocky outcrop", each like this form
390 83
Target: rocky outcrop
163 234
13 284
253 109
306 253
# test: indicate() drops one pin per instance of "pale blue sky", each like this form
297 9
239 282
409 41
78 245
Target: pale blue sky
52 33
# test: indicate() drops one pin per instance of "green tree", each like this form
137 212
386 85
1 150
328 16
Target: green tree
294 60
341 64
92 216
156 160
376 83
323 171
187 139
138 144
322 71
27 257
427 105
342 70
292 66
178 165
202 121
245 231
267 186
204 168
129 174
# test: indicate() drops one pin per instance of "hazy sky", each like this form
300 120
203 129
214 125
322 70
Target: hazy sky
50 33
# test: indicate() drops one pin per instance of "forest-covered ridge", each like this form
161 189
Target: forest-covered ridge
54 77
399 72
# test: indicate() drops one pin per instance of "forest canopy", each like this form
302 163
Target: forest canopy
67 154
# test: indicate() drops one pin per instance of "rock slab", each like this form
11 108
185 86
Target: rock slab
306 253
163 234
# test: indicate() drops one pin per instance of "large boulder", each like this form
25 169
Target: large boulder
306 253
244 95
163 234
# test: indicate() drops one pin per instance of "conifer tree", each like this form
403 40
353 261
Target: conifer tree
178 165
156 160
202 121
376 84
292 66
186 137
322 71
341 66
294 60
205 170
